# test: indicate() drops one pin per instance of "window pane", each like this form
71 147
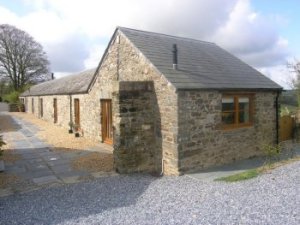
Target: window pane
228 117
227 104
244 110
243 116
244 100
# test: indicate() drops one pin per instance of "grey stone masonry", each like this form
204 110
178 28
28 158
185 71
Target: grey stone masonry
134 139
157 125
204 143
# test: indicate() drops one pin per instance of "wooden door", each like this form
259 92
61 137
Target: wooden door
77 111
106 121
286 125
32 105
55 110
41 108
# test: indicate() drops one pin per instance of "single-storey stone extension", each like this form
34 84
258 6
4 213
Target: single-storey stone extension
166 104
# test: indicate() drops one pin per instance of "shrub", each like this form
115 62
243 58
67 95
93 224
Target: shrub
12 97
272 153
1 144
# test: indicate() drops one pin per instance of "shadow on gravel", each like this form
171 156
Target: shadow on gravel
69 203
8 124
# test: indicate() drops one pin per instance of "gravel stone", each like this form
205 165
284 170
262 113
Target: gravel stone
271 198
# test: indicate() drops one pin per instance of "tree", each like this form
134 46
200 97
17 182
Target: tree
295 68
22 59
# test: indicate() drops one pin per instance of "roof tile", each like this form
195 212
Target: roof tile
200 64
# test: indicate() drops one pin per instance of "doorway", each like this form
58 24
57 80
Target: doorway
77 112
41 108
106 121
55 110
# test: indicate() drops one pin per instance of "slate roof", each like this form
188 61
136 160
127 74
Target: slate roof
72 84
201 65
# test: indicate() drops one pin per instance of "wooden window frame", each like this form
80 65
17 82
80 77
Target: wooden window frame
236 97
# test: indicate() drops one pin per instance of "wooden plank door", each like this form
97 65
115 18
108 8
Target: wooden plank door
55 110
32 105
106 121
41 108
77 111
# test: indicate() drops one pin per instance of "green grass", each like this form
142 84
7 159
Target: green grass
249 174
240 176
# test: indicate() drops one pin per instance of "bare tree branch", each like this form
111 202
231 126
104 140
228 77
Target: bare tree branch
22 59
294 67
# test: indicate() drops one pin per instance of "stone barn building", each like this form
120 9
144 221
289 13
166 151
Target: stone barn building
166 104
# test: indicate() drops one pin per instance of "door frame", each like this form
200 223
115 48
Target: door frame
106 121
55 110
41 107
77 111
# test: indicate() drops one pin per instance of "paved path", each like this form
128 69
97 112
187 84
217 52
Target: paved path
242 165
40 165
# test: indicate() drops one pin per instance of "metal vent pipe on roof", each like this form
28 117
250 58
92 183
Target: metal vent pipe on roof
174 56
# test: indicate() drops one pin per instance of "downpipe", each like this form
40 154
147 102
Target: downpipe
277 117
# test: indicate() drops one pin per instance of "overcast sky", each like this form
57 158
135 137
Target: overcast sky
263 33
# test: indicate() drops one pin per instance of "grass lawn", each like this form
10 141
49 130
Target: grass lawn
240 176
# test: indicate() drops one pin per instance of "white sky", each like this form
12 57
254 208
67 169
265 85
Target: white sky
75 33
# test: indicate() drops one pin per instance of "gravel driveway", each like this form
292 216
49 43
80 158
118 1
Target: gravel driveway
141 199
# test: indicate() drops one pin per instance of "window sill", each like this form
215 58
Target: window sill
235 127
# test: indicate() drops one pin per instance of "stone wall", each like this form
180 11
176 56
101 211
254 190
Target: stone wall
123 62
134 139
177 129
63 108
29 102
202 141
133 66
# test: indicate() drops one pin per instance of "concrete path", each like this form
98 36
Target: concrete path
227 170
39 164
240 166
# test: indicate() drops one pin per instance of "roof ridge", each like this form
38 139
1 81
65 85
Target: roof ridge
167 35
61 85
70 75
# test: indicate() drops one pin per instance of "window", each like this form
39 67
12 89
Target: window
237 110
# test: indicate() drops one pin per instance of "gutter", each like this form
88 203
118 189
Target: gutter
59 93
